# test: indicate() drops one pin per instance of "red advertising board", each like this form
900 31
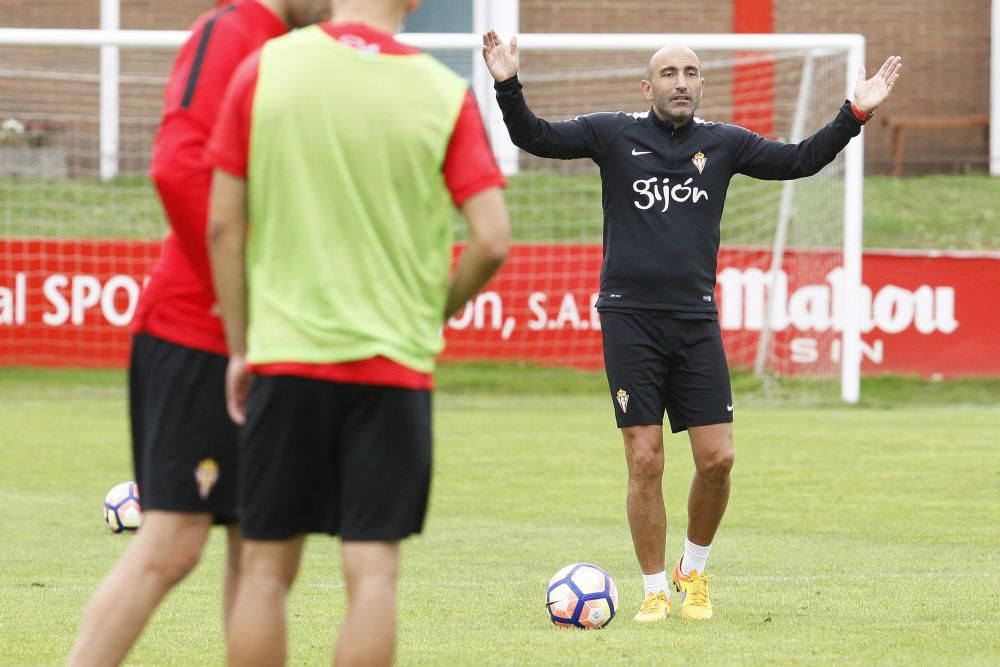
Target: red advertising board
69 302
932 314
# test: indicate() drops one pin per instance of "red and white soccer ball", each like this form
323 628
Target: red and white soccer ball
122 510
581 595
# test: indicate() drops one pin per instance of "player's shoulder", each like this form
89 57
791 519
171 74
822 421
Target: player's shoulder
238 22
426 70
613 119
217 17
624 117
441 70
608 125
727 132
718 127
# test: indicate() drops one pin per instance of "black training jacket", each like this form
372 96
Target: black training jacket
663 191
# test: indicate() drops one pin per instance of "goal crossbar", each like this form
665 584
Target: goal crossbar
461 41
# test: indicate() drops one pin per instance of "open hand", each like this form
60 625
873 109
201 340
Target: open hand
868 95
500 61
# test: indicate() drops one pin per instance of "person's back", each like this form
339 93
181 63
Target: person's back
340 157
348 143
178 302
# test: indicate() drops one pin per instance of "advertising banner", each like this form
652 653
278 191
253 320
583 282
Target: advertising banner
69 303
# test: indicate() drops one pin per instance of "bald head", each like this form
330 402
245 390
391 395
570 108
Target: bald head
669 53
673 83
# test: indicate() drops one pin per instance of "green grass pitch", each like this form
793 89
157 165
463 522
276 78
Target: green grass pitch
861 535
928 212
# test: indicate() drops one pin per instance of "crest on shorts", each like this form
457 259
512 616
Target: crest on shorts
622 397
699 160
206 473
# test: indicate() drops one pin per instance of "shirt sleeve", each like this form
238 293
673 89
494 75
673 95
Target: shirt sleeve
469 166
229 147
773 160
565 139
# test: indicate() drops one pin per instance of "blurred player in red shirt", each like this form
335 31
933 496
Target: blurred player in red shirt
183 443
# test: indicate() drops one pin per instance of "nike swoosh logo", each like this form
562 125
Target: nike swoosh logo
729 408
635 152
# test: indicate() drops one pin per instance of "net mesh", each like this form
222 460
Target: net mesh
58 218
73 248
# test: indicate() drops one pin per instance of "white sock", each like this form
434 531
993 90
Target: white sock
695 557
655 583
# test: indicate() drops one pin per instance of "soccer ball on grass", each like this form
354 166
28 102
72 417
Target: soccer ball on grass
122 510
581 595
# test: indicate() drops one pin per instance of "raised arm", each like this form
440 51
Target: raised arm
773 160
567 139
871 93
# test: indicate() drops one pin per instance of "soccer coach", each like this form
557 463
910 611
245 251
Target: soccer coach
664 178
340 156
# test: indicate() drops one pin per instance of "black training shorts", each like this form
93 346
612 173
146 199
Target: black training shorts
184 446
655 362
344 459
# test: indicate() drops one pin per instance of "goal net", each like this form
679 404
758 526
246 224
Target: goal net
80 224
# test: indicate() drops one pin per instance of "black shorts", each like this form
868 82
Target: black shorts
184 446
344 459
655 362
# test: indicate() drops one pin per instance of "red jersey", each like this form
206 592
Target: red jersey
469 168
178 303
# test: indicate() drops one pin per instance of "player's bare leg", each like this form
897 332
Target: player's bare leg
712 447
231 576
163 552
368 633
647 518
257 633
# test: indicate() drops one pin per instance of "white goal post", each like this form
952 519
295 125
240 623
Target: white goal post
847 291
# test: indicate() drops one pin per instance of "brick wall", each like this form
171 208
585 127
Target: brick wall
946 54
135 14
59 86
626 16
945 49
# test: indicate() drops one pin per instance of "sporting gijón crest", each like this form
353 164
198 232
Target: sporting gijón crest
622 398
699 160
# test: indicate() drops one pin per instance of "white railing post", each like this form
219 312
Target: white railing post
995 89
110 20
854 168
503 15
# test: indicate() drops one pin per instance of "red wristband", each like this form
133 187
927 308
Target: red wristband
860 115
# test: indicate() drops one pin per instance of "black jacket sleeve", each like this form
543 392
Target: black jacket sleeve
777 161
565 139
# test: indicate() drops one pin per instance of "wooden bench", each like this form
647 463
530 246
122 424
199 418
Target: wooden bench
900 123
